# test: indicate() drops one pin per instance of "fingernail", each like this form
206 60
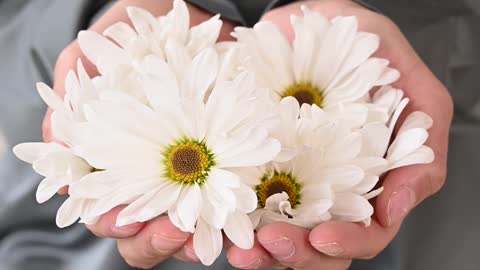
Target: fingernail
126 231
282 248
400 203
166 245
331 249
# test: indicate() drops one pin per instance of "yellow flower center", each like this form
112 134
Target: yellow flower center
304 93
188 162
277 183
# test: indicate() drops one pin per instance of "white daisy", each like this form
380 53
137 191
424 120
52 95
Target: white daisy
324 176
169 37
60 166
330 62
176 156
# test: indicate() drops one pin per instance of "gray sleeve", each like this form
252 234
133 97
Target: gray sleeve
248 12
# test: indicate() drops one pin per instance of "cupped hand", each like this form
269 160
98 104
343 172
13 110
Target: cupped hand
333 245
141 245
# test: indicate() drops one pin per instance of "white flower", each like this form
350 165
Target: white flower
169 37
330 63
60 166
176 156
323 177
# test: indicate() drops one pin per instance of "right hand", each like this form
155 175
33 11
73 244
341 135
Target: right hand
142 245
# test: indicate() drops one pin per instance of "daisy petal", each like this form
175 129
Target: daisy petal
406 143
204 35
69 212
48 188
207 242
239 230
189 206
160 203
423 155
351 207
416 120
121 33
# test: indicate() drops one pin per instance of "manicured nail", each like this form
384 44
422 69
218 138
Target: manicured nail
165 245
282 248
126 231
331 249
400 203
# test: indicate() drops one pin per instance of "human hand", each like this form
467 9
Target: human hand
333 245
141 245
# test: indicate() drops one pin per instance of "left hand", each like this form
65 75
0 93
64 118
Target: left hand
333 245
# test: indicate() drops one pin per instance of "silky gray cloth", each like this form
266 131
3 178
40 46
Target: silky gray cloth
442 233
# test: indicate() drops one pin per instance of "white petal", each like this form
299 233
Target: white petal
160 203
212 213
102 52
30 152
189 206
373 193
121 33
364 46
246 199
239 230
200 74
336 44
48 188
351 207
123 195
423 155
160 83
278 57
406 143
204 35
375 139
207 242
345 148
367 184
178 58
50 98
389 75
253 150
180 20
129 214
341 178
416 120
141 19
219 177
69 212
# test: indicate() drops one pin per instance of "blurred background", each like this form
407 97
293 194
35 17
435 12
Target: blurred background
442 233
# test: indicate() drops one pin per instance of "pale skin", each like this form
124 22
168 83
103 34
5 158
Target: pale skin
331 245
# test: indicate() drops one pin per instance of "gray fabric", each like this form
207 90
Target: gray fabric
440 234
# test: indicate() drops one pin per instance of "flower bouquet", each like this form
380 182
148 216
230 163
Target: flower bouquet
230 136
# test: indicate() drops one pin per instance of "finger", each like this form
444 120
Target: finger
187 253
157 241
105 226
255 258
290 246
351 240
